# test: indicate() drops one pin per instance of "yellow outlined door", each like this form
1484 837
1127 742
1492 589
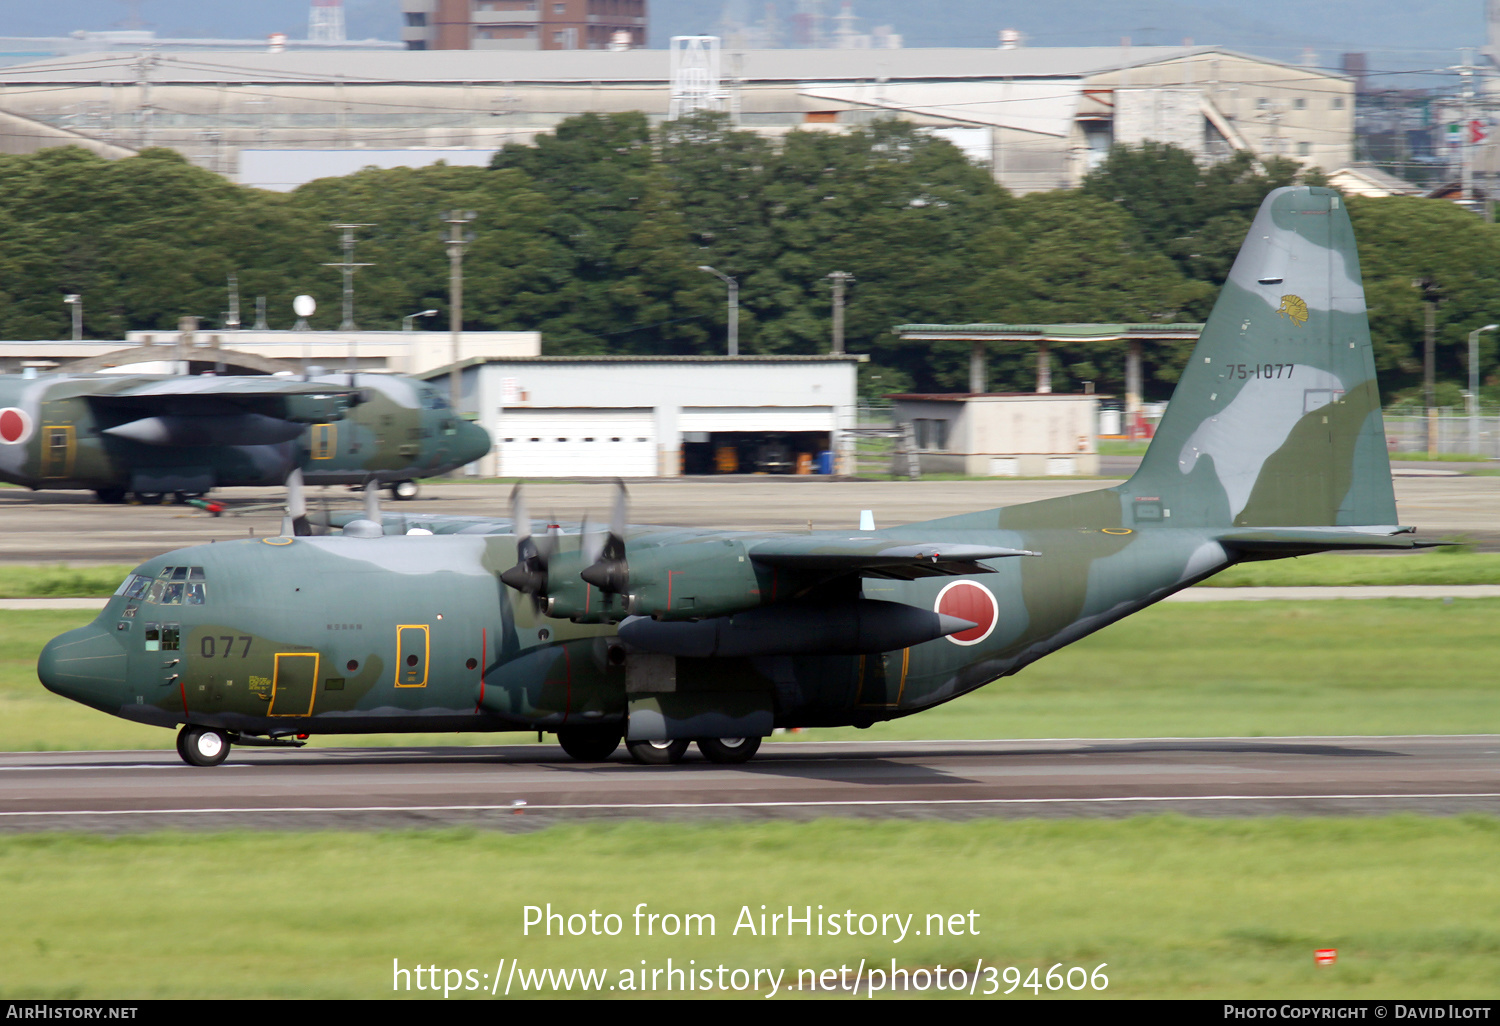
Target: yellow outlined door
414 647
325 441
294 685
58 448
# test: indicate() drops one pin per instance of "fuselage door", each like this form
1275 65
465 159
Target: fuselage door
325 441
58 447
294 684
414 647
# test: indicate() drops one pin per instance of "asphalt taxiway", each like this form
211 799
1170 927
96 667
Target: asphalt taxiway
527 786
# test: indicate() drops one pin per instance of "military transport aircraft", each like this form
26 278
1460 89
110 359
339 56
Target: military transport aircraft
1272 446
153 435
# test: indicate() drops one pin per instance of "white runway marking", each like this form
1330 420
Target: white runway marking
870 803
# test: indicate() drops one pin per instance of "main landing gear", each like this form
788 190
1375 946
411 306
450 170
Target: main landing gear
598 745
202 746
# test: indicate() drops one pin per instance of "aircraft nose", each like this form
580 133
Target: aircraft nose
473 443
86 665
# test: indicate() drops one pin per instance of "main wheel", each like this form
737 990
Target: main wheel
404 490
657 753
728 749
148 498
202 746
110 496
587 745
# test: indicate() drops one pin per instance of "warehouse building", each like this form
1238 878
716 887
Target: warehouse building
661 416
1040 117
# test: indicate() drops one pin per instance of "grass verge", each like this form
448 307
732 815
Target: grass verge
1175 907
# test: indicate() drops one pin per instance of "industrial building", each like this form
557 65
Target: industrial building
661 416
1040 118
1003 435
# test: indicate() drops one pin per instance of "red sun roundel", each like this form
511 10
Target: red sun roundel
969 601
15 425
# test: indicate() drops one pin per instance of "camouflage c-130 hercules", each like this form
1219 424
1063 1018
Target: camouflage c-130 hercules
151 435
1272 446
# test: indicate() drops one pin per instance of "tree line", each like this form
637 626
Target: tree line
596 236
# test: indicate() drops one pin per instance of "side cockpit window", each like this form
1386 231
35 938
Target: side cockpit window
176 585
134 586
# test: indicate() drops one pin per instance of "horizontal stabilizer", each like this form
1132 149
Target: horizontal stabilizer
820 552
1287 541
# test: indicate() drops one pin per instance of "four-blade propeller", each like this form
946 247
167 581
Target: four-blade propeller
529 575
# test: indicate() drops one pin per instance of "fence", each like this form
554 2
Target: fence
1457 433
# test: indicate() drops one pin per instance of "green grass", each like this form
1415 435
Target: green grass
1440 457
61 581
1394 666
1204 908
1445 566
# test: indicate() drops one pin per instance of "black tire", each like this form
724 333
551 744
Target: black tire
404 491
110 496
587 745
202 746
728 750
657 753
148 498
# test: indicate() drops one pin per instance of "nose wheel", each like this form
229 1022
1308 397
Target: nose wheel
202 746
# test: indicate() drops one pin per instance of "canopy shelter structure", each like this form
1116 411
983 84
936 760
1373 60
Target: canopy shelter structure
1041 336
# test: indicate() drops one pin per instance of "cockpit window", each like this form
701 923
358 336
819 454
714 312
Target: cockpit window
134 586
176 585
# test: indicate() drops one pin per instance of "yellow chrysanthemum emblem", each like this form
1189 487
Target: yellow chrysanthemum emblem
1294 308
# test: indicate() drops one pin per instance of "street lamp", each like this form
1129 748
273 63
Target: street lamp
406 321
74 300
734 307
1473 397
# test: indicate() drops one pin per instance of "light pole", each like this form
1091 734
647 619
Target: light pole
1473 397
406 321
734 307
839 279
457 221
74 300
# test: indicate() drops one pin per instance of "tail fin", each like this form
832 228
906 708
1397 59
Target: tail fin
1276 419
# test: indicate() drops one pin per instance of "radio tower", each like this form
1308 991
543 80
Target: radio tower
325 22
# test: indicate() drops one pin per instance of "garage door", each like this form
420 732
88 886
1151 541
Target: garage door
578 443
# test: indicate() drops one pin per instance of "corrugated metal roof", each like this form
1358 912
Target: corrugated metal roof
476 361
458 66
1044 332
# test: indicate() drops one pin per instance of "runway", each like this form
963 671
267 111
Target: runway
528 786
53 527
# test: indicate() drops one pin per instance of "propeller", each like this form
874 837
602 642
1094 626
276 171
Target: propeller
529 575
295 523
607 568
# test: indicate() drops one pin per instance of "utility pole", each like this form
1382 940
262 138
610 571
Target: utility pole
839 278
1430 297
458 238
348 266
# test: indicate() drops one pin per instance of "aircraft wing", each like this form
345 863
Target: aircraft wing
301 402
877 556
1284 541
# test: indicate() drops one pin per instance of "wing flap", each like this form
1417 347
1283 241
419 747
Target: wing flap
861 552
1285 541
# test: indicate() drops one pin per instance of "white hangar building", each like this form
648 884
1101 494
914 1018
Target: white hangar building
661 416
